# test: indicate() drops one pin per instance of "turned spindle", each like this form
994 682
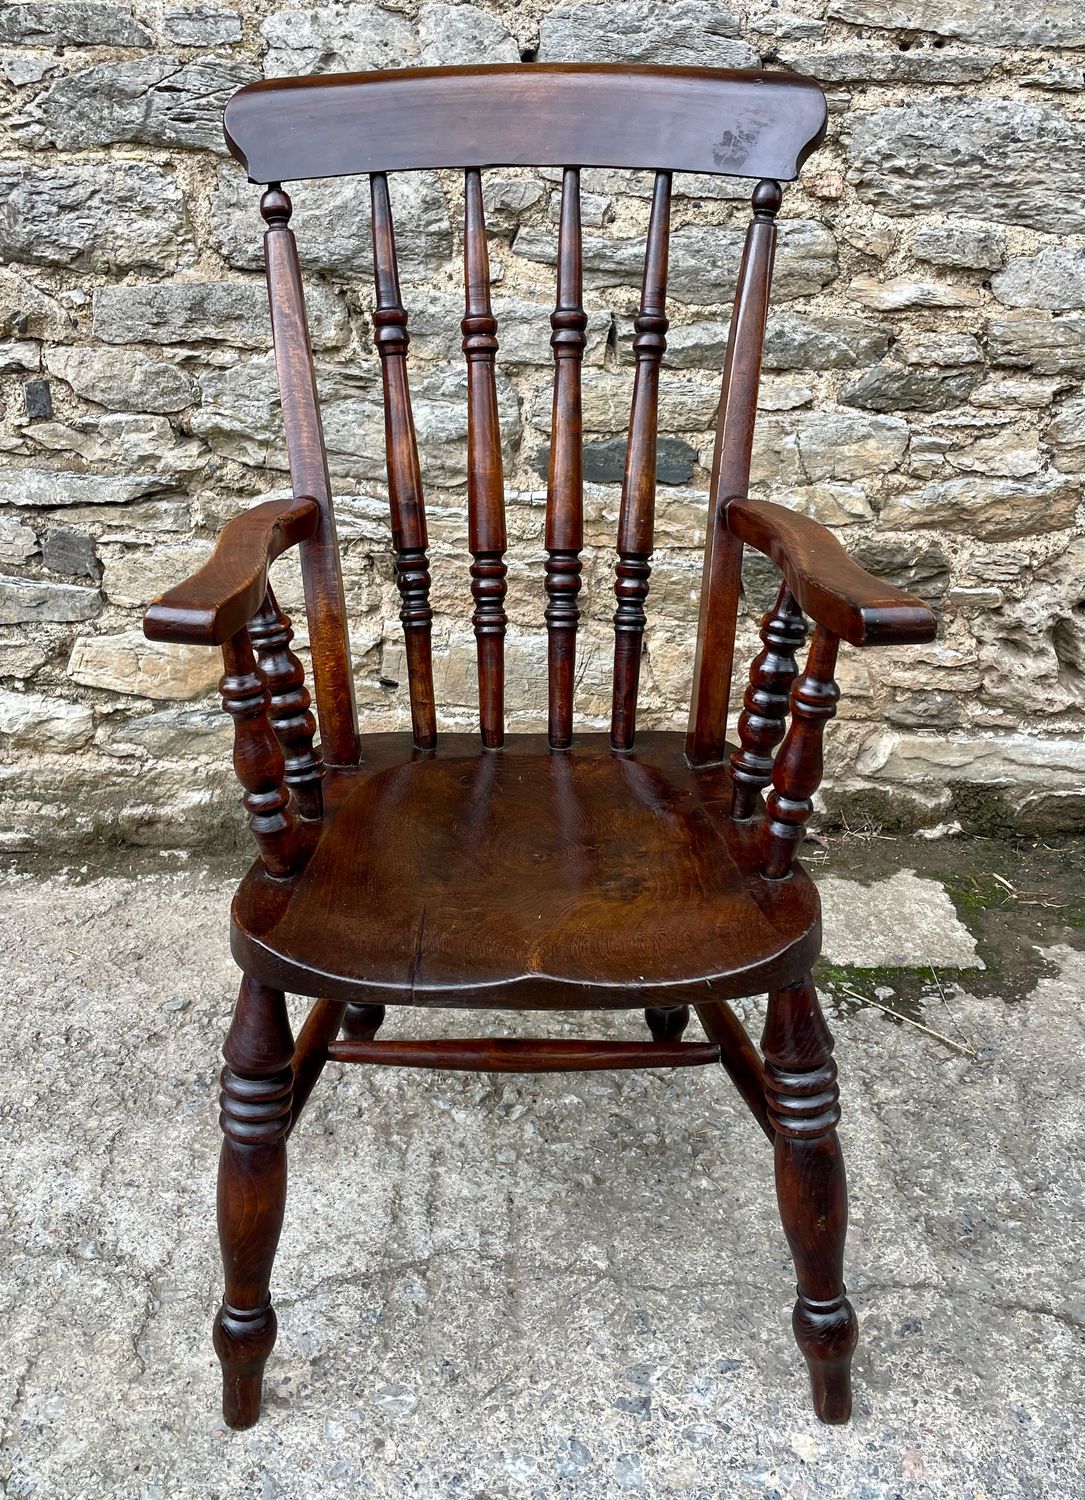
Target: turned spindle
271 633
763 719
796 774
258 758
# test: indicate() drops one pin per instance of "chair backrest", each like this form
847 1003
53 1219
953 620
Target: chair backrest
755 125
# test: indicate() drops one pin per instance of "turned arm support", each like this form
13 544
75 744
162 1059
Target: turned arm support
828 586
210 608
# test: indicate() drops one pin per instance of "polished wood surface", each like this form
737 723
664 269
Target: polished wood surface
560 871
746 124
532 878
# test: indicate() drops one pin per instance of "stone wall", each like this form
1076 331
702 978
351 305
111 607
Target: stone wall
922 396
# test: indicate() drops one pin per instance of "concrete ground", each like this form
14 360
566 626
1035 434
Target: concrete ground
553 1286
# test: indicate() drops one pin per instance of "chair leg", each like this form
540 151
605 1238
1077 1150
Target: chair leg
667 1022
803 1100
362 1022
255 1117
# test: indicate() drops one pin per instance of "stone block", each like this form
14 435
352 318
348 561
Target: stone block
107 217
34 723
219 312
129 663
692 32
35 601
123 379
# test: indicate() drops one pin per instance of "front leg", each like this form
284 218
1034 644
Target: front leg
255 1118
803 1100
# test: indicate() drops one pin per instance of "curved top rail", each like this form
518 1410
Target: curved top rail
741 124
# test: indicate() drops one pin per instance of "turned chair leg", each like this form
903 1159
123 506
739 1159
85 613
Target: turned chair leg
667 1022
362 1022
803 1100
255 1118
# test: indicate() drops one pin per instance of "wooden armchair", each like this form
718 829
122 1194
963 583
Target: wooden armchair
529 872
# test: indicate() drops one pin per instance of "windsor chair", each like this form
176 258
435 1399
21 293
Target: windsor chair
535 871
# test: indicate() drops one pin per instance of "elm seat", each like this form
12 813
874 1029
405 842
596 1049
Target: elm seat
572 879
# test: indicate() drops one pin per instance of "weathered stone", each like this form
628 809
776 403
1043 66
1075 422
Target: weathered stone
129 663
703 261
809 342
66 550
50 724
25 310
206 25
1009 452
980 247
123 439
777 393
134 578
240 417
1047 346
37 399
993 23
694 32
118 217
152 101
953 155
71 24
179 734
21 68
1053 279
880 65
1032 650
922 568
18 543
1060 74
1066 435
523 329
49 487
32 601
1029 395
810 447
904 292
893 387
943 349
992 508
505 199
15 359
350 38
684 405
831 504
123 379
131 523
604 462
786 25
450 35
220 312
331 221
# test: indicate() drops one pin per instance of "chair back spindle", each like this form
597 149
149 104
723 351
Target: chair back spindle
405 497
636 519
721 578
565 484
485 484
271 633
325 605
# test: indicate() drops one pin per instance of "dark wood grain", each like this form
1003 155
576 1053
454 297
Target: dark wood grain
485 484
321 572
829 586
804 1110
526 1054
636 519
721 577
565 481
255 1118
531 879
219 600
405 499
763 720
746 124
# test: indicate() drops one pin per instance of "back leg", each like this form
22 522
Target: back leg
362 1022
803 1100
667 1022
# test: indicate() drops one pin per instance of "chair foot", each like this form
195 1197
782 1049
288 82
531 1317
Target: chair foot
255 1118
243 1342
803 1105
667 1022
362 1022
827 1335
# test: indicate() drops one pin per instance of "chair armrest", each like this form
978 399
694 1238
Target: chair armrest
827 585
218 601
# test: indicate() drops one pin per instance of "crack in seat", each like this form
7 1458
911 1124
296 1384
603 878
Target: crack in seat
586 877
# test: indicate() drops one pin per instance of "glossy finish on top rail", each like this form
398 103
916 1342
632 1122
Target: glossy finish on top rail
743 124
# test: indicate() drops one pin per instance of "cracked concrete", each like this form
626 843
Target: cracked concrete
532 1287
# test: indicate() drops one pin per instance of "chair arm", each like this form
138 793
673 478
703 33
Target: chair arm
827 584
219 600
